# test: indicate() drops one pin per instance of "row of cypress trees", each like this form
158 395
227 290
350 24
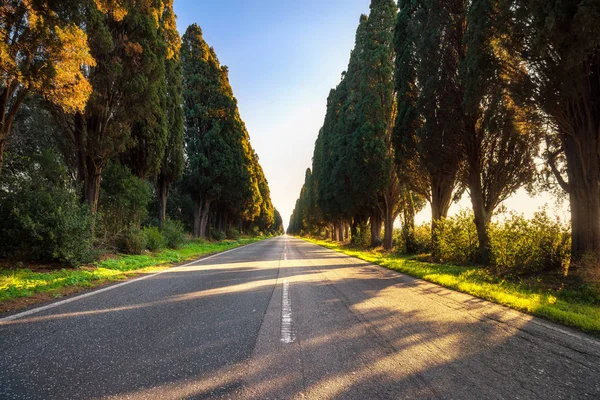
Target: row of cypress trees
442 97
143 97
222 171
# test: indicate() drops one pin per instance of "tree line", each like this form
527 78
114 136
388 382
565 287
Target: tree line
445 97
129 116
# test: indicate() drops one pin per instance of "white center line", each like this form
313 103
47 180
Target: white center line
287 335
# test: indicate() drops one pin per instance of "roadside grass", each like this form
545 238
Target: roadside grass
21 282
578 308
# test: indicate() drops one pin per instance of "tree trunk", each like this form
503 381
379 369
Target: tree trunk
375 229
332 232
388 239
91 185
88 170
11 100
340 228
583 170
354 227
441 197
2 147
163 193
408 223
482 219
585 214
201 214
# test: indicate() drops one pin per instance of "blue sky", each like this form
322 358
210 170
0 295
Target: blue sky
283 58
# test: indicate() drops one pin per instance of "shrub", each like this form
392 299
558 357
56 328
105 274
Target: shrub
421 242
217 235
173 233
41 213
132 240
362 238
522 246
153 238
233 234
124 200
457 238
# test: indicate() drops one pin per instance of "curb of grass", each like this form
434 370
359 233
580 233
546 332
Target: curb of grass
23 301
472 280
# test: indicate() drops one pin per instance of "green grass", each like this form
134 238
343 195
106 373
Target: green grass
21 282
578 308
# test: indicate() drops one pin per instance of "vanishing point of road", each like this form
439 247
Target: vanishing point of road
285 319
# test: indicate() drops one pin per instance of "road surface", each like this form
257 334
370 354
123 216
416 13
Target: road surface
284 319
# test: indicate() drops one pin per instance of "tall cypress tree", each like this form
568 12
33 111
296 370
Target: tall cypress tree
149 134
501 136
221 167
118 40
427 141
373 154
560 43
171 167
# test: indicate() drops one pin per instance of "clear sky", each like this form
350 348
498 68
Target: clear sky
283 58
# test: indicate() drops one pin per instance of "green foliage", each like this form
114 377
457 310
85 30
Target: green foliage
422 240
277 227
173 233
145 153
124 204
132 240
362 238
218 235
153 238
222 171
42 217
233 234
457 238
521 246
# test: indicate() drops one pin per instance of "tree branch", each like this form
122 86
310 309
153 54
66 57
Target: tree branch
552 163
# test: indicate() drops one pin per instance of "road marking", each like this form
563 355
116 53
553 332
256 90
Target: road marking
82 296
287 336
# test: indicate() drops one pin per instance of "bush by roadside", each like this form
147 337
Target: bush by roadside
42 216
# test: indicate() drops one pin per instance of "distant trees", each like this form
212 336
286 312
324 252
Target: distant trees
353 176
460 99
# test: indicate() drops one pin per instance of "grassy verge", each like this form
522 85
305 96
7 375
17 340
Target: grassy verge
20 282
578 308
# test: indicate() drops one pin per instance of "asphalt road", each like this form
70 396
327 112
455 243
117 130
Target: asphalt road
284 319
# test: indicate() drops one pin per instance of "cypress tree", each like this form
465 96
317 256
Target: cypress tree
559 41
222 170
426 140
373 155
171 167
122 95
501 137
149 134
